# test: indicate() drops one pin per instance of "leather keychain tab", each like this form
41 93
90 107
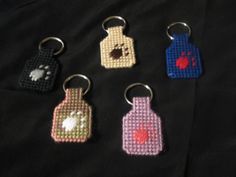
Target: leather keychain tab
72 118
117 50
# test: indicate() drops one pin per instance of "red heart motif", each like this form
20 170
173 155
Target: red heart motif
141 136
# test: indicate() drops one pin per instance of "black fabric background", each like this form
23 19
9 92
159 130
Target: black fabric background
198 115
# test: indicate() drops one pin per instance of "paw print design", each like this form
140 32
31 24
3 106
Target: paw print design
119 51
184 60
73 120
41 72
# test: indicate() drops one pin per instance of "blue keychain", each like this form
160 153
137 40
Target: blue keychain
182 57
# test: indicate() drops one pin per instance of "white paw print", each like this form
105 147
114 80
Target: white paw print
40 72
73 119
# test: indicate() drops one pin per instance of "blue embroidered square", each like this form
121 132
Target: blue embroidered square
183 58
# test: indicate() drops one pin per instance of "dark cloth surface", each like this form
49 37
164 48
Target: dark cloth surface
198 116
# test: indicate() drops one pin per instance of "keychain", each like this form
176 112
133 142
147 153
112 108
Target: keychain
40 72
142 134
72 118
182 57
117 50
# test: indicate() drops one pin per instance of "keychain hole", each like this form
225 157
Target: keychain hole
77 83
137 92
113 23
178 30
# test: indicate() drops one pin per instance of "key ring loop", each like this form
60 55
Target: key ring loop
174 24
80 76
113 18
134 85
53 39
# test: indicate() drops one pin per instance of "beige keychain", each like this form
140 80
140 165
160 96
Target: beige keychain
117 50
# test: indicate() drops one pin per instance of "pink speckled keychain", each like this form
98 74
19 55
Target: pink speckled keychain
142 134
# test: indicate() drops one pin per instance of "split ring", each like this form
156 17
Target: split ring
113 18
80 76
174 24
134 85
53 39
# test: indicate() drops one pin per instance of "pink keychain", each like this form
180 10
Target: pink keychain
142 134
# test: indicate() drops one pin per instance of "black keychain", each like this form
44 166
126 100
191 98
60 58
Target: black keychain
40 71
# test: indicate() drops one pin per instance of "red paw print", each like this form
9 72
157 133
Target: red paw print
140 136
184 60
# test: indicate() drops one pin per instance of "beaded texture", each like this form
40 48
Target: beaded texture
117 50
183 58
40 72
72 118
142 134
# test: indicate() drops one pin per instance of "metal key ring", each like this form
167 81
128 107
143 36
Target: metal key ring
134 85
54 39
113 18
80 76
177 23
